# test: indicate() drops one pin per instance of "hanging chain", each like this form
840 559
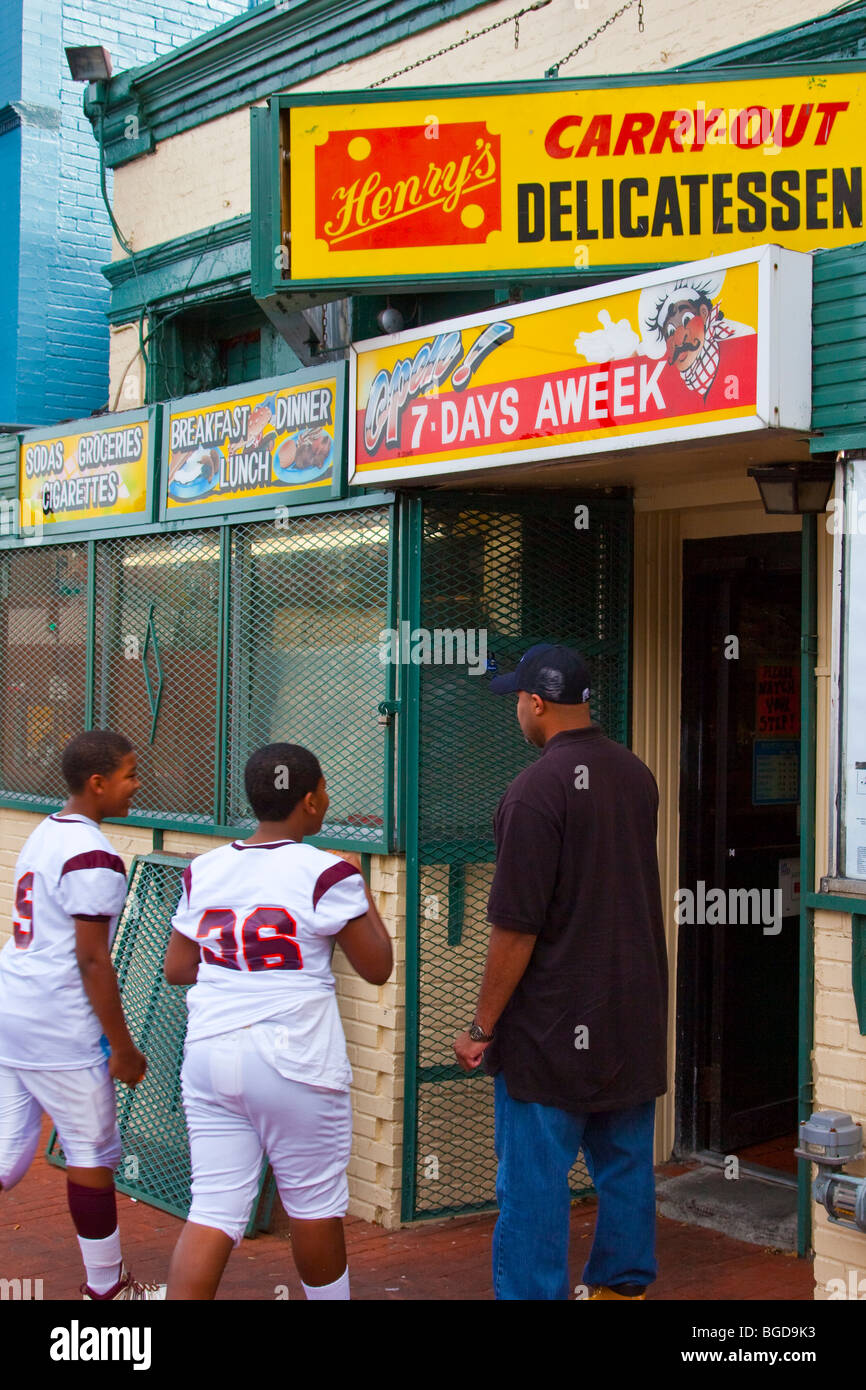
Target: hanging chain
324 344
511 19
554 71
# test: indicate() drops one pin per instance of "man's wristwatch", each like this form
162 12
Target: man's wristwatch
478 1035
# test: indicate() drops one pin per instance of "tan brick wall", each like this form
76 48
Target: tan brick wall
373 1015
374 1018
839 1057
840 1084
201 176
127 388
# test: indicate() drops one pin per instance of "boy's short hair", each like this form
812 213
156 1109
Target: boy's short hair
96 751
277 777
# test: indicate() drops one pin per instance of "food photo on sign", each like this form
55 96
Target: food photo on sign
225 447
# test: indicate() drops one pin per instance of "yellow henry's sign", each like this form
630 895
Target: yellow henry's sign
89 471
522 179
674 355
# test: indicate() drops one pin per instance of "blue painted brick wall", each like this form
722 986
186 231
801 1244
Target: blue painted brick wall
10 52
53 332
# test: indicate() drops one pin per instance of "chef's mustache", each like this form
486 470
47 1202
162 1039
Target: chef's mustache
684 348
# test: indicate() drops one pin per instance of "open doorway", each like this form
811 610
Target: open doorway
739 856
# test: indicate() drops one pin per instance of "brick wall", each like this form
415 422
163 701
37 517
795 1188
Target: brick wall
61 344
840 1084
214 189
10 51
372 1014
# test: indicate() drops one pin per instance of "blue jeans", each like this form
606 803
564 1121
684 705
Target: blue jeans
536 1146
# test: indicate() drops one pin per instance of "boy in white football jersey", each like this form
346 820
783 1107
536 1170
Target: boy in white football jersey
265 1066
60 1005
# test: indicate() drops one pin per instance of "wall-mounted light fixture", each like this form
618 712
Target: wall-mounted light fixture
89 64
789 489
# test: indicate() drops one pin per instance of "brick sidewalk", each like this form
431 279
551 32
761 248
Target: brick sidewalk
431 1260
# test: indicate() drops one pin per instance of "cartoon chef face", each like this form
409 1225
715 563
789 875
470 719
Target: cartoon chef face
684 331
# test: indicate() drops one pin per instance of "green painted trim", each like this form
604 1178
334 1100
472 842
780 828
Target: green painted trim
206 265
262 252
287 290
858 967
249 57
390 733
38 807
806 985
835 902
734 73
197 523
410 608
90 656
829 32
835 440
223 657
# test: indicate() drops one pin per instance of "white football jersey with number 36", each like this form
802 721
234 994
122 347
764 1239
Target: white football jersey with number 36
264 916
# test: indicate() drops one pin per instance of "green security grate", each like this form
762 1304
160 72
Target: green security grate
155 1166
155 665
520 570
307 607
43 666
201 645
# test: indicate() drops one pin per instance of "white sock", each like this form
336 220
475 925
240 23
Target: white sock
102 1261
338 1290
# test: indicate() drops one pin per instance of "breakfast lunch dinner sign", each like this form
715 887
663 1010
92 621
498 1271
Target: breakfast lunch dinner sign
571 176
227 450
711 348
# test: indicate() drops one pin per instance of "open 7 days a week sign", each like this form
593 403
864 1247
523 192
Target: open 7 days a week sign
714 347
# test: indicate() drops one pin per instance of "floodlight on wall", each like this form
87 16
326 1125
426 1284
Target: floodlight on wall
89 64
791 489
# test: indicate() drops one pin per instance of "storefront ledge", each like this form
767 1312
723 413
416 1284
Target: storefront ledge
839 895
212 262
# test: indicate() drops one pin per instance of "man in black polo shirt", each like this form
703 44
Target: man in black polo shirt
571 1015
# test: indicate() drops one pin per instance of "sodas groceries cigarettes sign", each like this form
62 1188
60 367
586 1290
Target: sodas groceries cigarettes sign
709 348
565 177
89 471
228 450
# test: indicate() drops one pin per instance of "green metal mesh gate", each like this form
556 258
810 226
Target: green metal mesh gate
522 570
43 666
155 1166
200 646
155 657
305 612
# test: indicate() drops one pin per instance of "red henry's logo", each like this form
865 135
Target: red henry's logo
383 189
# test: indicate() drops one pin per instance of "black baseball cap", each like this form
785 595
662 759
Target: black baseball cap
557 674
